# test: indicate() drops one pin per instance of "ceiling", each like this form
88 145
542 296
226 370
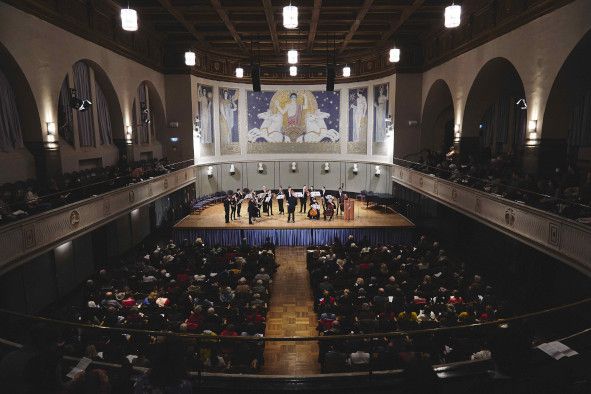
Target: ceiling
227 33
242 28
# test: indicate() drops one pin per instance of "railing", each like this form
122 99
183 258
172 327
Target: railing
565 322
36 234
563 238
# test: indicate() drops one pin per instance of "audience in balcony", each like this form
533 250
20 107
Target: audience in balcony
362 289
20 199
189 288
566 192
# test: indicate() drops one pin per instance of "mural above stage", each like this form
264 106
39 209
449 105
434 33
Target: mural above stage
357 141
229 133
293 121
205 108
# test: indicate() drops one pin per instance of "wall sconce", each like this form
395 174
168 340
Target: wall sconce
209 171
293 166
232 169
260 168
378 171
326 167
50 128
355 168
532 126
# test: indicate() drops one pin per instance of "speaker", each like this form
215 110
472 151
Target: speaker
256 77
330 76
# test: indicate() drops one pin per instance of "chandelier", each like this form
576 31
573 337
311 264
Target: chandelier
190 58
128 19
290 16
293 71
292 56
394 55
453 16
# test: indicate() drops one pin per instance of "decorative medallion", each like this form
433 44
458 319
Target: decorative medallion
554 234
421 181
131 196
454 194
106 207
509 217
29 240
74 219
166 183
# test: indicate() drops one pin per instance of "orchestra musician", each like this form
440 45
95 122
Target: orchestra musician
323 195
253 208
233 203
329 208
227 207
340 205
314 212
280 200
304 199
264 201
239 198
269 200
291 206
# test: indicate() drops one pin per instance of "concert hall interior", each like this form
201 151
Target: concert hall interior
203 196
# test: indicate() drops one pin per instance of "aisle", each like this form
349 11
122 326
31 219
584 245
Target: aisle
291 313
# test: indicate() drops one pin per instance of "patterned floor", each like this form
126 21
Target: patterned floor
291 313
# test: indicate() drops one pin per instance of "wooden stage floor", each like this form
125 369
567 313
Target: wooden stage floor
213 218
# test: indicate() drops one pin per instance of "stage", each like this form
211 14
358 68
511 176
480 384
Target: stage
377 224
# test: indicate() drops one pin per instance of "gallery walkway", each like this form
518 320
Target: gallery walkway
291 313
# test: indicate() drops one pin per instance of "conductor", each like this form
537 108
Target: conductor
291 206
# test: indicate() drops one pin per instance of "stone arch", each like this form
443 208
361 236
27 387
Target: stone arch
568 98
495 90
437 121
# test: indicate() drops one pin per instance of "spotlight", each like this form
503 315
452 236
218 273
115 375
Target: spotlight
260 168
78 103
522 103
355 168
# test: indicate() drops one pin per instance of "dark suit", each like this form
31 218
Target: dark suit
239 196
291 206
227 208
280 203
303 201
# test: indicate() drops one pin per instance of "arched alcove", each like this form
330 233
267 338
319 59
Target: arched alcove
147 132
566 132
494 117
437 122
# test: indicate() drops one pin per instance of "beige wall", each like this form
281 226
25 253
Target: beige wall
45 53
537 50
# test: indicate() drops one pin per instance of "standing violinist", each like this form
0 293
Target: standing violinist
239 198
269 199
280 200
253 208
304 199
291 206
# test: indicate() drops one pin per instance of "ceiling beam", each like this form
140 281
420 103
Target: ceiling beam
179 17
360 16
217 5
403 18
271 22
314 24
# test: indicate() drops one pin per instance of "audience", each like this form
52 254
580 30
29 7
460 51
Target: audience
21 199
384 288
565 192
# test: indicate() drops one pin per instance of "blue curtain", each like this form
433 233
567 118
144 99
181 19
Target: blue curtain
259 237
104 119
210 237
85 123
64 114
11 136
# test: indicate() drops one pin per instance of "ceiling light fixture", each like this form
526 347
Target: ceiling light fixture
293 71
190 58
239 72
128 19
394 55
453 16
290 16
292 56
346 71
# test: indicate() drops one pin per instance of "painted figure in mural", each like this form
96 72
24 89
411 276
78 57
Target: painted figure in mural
228 106
205 105
315 126
359 113
381 105
270 129
293 109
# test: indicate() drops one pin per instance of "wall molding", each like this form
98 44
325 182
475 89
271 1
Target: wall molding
559 237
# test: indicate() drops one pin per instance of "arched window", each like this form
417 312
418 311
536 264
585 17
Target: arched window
11 136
